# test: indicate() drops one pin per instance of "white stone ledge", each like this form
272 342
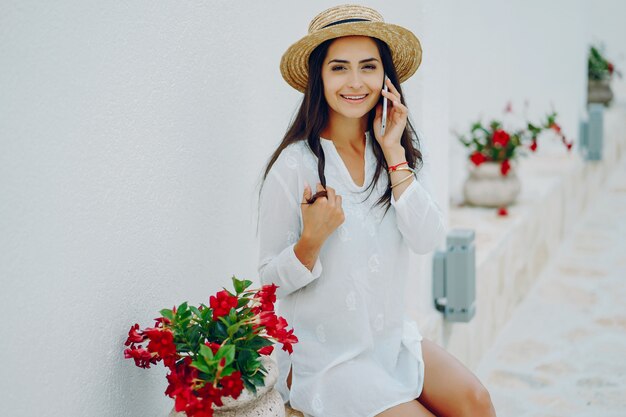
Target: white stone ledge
511 251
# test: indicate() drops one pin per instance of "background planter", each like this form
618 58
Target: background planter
267 402
487 187
599 91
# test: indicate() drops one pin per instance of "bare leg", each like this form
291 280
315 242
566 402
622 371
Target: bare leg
450 389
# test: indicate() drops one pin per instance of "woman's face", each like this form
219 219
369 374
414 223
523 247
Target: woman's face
352 73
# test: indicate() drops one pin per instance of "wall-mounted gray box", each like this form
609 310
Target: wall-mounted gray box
592 133
454 277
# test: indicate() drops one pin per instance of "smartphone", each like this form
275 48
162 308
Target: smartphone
383 125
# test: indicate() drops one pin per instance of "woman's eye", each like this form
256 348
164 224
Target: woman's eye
370 67
337 68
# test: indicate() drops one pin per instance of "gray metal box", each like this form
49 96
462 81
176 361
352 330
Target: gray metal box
454 277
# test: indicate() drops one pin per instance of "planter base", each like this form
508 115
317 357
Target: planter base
487 187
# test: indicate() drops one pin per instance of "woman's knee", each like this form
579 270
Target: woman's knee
478 402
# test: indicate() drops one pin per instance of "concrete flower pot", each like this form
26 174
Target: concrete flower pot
267 402
487 187
599 91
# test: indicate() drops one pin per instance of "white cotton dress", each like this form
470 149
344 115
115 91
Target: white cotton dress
357 354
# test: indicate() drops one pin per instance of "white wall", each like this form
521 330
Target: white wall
132 136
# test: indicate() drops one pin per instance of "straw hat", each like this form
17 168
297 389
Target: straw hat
347 20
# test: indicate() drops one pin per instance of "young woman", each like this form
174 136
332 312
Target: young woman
340 208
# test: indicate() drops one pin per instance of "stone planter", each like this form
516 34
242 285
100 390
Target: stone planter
487 187
599 91
266 403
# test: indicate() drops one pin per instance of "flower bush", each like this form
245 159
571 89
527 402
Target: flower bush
212 351
598 67
494 143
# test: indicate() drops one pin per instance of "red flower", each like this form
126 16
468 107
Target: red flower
533 146
267 319
142 357
500 138
555 127
135 335
212 393
288 339
502 211
477 158
266 350
508 108
221 303
505 167
610 67
232 384
162 343
267 296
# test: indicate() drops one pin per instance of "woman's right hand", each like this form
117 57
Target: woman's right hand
321 218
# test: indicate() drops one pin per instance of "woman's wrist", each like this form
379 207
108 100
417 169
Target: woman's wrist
307 250
394 155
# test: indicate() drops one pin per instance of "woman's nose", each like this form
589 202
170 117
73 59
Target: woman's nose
355 80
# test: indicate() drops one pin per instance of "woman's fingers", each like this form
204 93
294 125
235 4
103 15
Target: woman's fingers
331 195
392 88
307 193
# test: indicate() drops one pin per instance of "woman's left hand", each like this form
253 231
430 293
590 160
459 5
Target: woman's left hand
397 114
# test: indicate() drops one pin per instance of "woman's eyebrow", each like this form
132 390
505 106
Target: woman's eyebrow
343 61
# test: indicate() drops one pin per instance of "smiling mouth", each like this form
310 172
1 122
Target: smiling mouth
354 98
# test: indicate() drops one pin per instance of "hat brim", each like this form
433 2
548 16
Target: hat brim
406 50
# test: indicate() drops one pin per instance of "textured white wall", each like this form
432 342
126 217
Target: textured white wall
132 137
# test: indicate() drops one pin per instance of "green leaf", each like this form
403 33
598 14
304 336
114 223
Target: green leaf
227 352
239 285
242 302
249 386
195 311
201 366
233 329
167 313
206 353
221 328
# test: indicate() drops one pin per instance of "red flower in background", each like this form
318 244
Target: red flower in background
533 146
505 167
477 158
501 138
555 127
221 303
502 211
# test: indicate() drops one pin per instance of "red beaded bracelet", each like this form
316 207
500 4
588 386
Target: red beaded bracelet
394 167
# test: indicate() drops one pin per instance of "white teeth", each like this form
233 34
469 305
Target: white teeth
354 97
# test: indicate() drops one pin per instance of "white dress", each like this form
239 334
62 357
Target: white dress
357 354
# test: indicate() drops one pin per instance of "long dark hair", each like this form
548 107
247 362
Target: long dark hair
312 117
